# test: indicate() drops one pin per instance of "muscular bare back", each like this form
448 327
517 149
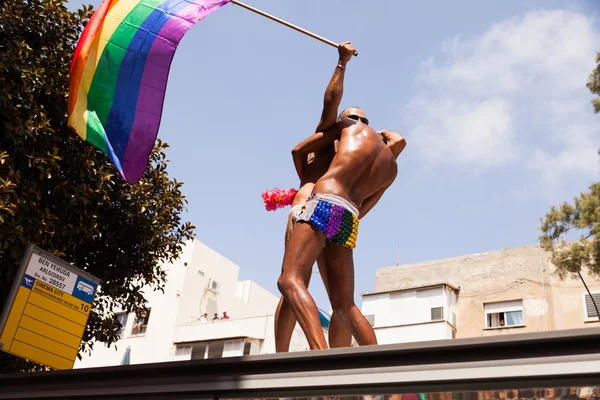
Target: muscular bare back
362 165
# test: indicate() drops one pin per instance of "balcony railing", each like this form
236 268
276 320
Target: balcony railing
254 327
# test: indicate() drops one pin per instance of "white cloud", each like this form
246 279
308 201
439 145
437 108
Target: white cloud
576 155
516 92
463 132
519 53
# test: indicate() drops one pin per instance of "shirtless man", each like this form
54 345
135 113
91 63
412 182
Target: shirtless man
360 172
285 321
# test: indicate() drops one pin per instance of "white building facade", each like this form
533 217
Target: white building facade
200 281
412 315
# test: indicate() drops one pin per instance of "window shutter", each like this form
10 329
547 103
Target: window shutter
504 306
183 350
437 313
589 305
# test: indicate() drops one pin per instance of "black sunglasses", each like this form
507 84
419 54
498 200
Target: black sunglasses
364 120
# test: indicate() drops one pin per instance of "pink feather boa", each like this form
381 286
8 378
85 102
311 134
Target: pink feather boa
277 198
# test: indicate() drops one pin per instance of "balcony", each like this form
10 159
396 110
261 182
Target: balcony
417 332
255 327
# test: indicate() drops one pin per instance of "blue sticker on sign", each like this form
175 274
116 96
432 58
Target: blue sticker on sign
28 281
84 290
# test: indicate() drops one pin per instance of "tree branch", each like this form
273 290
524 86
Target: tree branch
590 293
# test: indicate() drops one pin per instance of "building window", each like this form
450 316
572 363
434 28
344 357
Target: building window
233 348
200 351
504 314
437 313
141 323
247 348
122 318
183 352
371 319
590 310
215 350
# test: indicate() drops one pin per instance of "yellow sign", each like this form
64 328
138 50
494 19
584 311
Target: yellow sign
47 310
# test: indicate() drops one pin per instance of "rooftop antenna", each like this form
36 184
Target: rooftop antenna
398 255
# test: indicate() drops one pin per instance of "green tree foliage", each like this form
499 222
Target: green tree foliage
582 217
594 84
59 192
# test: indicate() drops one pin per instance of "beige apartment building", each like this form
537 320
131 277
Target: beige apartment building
505 291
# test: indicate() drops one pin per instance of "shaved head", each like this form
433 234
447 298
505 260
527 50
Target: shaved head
351 111
354 113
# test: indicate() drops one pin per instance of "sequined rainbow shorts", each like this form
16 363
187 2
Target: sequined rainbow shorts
334 216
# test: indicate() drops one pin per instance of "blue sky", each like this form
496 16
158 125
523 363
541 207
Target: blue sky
490 96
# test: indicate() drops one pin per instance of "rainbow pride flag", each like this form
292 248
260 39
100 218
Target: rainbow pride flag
119 72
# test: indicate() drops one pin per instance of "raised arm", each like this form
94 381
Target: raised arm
335 89
395 142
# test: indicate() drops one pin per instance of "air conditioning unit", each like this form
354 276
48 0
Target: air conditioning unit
213 285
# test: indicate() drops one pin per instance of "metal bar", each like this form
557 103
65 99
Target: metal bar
289 25
549 360
521 373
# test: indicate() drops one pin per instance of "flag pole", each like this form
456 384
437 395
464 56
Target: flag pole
297 28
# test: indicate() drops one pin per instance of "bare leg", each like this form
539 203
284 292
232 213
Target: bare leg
285 320
303 249
339 334
340 272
